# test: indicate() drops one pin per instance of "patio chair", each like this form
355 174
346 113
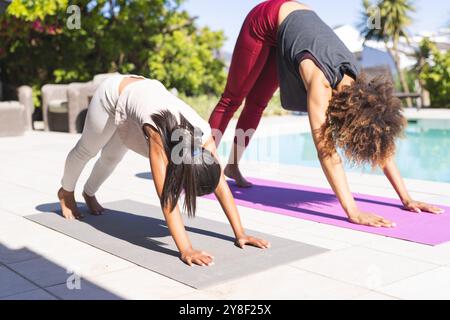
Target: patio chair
79 96
385 71
64 106
15 116
99 78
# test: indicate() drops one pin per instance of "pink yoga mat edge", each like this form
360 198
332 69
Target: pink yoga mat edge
320 205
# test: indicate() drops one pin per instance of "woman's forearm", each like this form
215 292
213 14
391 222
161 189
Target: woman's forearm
176 228
225 197
173 218
335 174
393 174
226 200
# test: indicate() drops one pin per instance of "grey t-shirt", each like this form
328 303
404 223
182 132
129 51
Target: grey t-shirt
303 31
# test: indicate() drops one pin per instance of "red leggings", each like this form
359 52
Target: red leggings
253 71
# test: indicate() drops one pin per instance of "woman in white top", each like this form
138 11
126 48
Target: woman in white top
132 112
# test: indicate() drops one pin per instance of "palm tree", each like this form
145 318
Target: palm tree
421 55
394 18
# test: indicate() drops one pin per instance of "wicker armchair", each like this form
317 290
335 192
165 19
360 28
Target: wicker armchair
79 96
25 96
54 101
64 106
15 116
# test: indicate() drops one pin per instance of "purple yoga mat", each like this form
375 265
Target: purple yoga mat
321 205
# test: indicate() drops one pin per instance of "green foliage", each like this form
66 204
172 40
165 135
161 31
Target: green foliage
394 18
274 108
154 38
193 73
30 10
204 105
435 73
411 78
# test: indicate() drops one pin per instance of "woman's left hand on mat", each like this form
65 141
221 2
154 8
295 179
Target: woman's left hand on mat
252 241
418 207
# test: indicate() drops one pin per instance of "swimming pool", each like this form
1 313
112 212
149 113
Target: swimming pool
423 154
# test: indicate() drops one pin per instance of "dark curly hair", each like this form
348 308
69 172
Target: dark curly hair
364 120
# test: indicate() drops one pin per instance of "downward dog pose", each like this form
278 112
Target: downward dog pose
131 112
285 44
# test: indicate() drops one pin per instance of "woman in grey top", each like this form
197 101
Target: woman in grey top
284 43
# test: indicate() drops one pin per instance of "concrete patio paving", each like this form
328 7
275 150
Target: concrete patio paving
35 262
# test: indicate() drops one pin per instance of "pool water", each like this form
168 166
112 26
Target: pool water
423 154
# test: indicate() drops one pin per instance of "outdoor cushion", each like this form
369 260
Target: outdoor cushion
58 106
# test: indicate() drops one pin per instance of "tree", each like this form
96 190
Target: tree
421 55
154 38
31 10
434 73
394 18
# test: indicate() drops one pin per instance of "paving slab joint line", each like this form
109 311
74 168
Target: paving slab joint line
22 260
411 276
12 213
362 245
29 280
135 265
382 293
27 187
117 256
308 233
331 278
357 285
351 243
66 236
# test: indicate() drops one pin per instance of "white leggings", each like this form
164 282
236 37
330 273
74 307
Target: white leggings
99 133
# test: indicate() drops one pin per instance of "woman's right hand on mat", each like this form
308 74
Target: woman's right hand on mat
370 219
244 240
201 258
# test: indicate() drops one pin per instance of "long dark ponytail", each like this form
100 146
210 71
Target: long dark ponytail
192 169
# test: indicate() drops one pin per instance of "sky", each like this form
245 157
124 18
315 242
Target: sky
228 15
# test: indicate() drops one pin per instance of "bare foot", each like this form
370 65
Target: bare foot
233 172
68 205
94 207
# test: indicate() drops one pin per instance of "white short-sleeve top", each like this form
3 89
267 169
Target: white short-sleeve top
140 100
